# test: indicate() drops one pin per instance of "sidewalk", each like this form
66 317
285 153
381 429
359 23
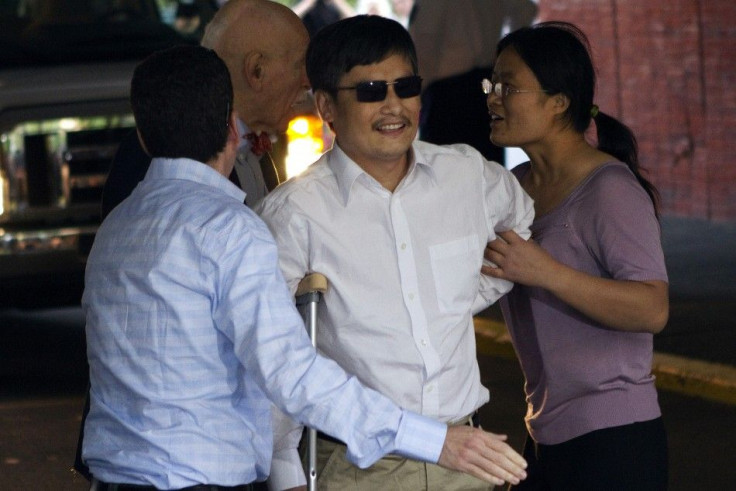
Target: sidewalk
696 352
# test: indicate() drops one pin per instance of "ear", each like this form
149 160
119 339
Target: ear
560 103
254 69
232 129
325 105
143 144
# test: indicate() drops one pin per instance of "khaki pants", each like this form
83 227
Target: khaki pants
393 473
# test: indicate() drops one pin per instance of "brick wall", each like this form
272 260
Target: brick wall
668 70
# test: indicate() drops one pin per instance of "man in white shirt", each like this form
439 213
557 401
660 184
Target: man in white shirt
398 227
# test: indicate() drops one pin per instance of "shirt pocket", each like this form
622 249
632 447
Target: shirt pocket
456 269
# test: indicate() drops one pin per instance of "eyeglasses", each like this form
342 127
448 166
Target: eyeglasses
376 90
501 90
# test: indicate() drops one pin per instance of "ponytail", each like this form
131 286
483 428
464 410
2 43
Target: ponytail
617 139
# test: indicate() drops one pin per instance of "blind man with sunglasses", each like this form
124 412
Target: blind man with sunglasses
398 227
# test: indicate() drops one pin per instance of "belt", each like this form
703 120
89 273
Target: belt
469 420
107 486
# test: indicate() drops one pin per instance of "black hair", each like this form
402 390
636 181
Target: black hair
182 98
355 41
558 53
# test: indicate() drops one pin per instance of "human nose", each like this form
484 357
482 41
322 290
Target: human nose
489 89
492 97
391 102
391 93
305 79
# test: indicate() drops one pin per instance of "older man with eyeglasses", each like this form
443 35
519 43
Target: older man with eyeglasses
398 227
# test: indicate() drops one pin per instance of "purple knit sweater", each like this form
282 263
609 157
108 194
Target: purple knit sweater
580 375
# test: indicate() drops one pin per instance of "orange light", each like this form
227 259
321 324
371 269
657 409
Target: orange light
305 143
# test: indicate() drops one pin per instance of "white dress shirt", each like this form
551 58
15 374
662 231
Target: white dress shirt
403 269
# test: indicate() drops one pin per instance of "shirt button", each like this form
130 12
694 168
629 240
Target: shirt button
411 296
429 389
424 342
403 246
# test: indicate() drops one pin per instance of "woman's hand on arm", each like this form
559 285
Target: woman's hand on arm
637 306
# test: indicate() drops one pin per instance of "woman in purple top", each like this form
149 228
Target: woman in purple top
591 285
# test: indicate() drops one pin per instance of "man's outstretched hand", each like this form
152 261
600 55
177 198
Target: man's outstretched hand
484 455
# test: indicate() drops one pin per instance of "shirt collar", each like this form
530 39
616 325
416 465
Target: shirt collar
423 163
242 131
192 170
347 172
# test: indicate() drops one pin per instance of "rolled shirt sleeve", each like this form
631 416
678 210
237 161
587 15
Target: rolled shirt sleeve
507 207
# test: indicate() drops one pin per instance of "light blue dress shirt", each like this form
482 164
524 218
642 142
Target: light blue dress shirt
191 329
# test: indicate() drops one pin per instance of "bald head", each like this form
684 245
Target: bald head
240 24
263 44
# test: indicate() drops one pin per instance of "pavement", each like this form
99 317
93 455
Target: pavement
696 352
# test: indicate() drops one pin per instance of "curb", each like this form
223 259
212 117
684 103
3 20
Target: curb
712 381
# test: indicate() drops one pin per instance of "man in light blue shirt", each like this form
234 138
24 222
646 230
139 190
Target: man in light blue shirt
191 329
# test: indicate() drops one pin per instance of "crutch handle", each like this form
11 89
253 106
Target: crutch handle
315 282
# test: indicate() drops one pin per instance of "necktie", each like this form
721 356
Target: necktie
260 143
260 146
268 168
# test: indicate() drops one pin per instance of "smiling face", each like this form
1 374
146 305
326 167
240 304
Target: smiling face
519 119
373 134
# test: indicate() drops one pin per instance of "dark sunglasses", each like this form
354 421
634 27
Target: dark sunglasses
376 90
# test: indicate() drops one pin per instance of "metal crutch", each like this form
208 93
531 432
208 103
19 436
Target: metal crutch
308 294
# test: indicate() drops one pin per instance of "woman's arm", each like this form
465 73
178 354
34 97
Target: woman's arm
636 306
